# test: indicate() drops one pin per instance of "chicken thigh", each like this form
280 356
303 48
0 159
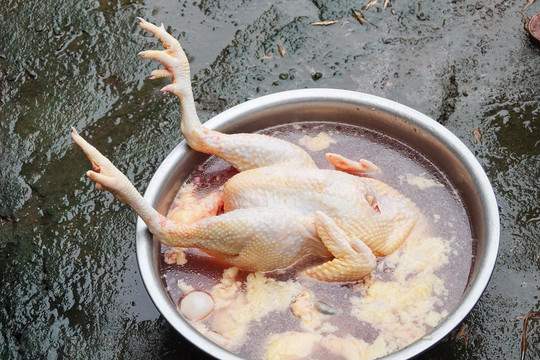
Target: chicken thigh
279 208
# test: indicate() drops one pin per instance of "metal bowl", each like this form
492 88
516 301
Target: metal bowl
420 132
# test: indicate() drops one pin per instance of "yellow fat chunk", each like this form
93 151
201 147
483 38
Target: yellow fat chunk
419 259
302 307
317 143
403 308
350 347
291 345
298 345
225 324
264 295
390 302
420 181
237 309
224 291
354 349
175 256
184 287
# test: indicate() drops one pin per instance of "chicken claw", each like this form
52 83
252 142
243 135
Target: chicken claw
243 151
104 174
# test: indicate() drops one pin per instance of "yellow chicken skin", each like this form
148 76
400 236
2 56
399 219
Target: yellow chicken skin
280 207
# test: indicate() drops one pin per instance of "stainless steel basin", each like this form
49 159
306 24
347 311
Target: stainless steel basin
420 132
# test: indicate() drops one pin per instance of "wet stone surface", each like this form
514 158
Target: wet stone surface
70 286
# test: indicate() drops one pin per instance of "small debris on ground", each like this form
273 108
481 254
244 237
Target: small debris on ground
530 315
477 136
281 50
324 23
529 3
463 334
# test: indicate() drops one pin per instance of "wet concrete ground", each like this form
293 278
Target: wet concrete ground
69 282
